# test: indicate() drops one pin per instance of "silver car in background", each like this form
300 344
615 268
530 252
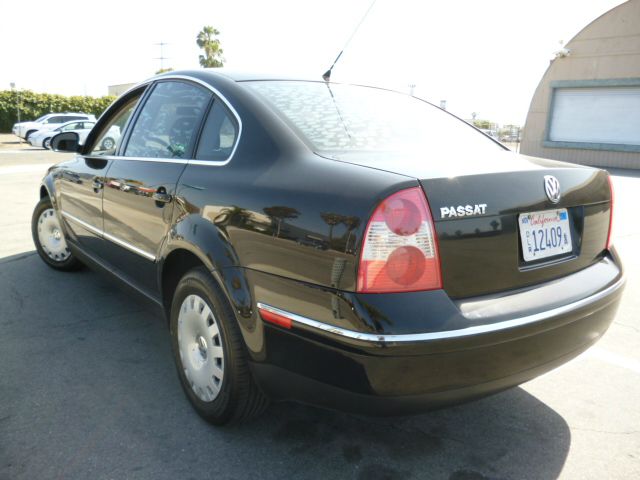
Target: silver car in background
42 138
50 121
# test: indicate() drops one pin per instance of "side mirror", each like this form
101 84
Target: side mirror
66 142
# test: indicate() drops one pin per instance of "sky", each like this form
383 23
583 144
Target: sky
483 57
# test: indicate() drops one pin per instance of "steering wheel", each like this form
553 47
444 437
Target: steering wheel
154 139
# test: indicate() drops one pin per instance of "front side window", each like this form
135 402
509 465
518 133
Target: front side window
218 135
108 139
168 122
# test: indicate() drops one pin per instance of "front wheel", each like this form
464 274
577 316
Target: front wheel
49 238
210 354
46 143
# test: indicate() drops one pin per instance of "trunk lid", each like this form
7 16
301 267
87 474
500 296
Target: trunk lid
480 245
481 250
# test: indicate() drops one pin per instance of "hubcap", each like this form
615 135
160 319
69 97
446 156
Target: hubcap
50 236
200 347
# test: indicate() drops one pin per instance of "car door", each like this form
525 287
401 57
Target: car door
140 185
79 182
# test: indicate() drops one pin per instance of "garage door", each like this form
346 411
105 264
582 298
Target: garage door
596 115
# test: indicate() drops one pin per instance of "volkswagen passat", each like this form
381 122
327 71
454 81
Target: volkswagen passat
345 246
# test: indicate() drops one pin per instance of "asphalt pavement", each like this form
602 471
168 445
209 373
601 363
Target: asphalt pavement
88 389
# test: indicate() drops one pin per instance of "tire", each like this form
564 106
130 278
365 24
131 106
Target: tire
108 143
210 354
49 238
26 137
46 143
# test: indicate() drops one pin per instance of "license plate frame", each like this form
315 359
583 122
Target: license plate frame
545 234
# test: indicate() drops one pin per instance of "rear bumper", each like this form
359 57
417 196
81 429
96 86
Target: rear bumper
408 373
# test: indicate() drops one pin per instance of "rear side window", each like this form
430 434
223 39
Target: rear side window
53 120
218 135
169 121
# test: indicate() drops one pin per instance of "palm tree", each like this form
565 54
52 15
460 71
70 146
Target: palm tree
331 219
352 223
211 45
278 213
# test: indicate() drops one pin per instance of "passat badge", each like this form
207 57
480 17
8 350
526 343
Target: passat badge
463 210
552 188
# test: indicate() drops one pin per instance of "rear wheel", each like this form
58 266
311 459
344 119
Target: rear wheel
49 238
210 354
108 143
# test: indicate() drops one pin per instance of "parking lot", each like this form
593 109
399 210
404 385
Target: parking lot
88 389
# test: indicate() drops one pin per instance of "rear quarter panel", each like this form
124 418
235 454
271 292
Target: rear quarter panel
300 218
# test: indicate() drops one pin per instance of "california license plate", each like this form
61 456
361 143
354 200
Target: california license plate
545 234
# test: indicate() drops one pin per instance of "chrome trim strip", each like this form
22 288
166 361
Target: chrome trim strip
116 240
145 159
86 225
463 332
208 163
128 246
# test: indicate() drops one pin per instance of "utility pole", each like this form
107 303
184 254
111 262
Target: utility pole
13 89
162 58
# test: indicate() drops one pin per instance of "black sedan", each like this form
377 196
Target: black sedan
345 246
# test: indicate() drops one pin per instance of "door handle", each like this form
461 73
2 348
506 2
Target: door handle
162 197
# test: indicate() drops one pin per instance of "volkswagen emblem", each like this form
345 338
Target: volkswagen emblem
552 188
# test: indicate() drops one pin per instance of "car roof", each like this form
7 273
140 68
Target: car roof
242 75
75 121
67 114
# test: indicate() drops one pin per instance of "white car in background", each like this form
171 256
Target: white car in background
47 122
42 138
109 140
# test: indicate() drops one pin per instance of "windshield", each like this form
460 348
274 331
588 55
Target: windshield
41 118
340 119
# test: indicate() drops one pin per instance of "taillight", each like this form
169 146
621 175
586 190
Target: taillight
400 252
609 235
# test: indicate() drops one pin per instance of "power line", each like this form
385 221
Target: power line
162 58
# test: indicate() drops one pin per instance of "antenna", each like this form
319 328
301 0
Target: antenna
327 75
162 58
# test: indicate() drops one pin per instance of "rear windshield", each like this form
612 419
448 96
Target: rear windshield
335 119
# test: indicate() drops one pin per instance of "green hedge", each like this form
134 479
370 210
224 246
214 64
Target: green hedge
34 105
